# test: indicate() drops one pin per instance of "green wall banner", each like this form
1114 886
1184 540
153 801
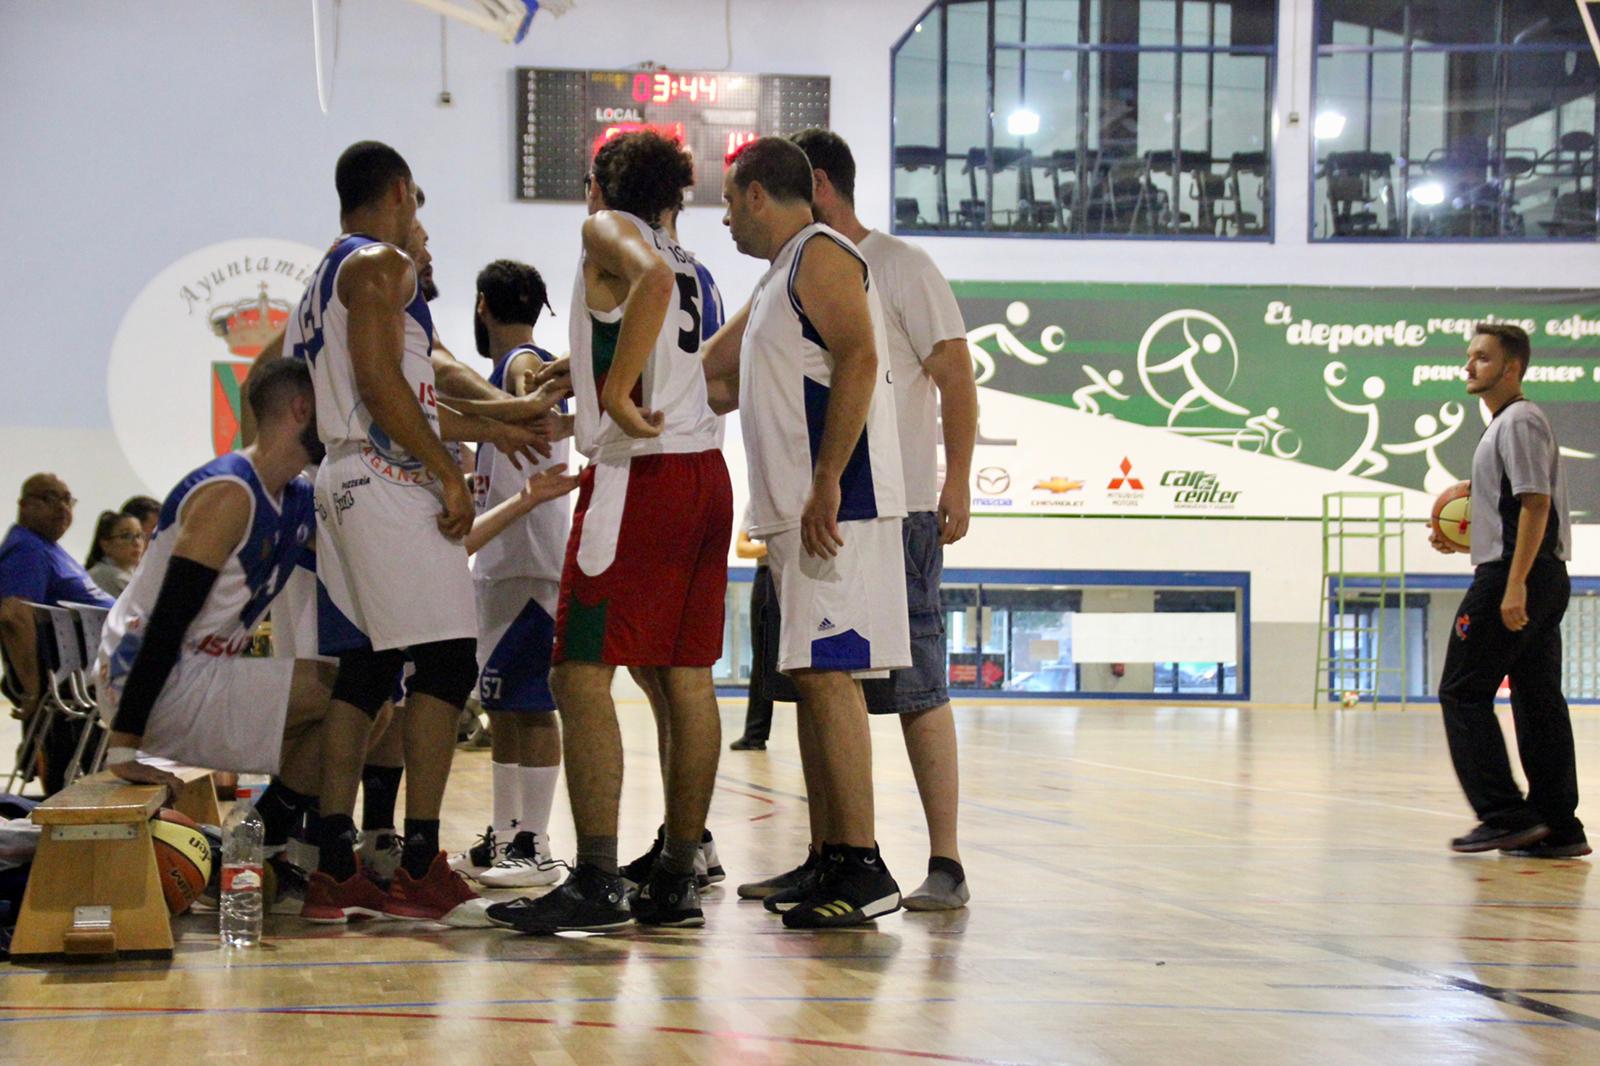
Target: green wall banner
1295 390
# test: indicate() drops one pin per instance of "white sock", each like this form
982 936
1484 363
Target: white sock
538 793
507 802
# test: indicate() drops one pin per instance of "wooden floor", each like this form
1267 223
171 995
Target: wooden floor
1150 885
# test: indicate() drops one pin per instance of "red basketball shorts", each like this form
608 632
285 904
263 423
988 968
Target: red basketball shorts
646 574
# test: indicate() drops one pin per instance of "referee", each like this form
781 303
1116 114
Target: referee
1510 620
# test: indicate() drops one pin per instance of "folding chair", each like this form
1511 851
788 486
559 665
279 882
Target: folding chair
62 669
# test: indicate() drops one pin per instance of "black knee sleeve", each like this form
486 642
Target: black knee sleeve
367 678
445 669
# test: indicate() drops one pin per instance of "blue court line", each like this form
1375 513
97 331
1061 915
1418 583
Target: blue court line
1432 1019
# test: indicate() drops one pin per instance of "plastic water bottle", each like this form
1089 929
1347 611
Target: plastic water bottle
242 887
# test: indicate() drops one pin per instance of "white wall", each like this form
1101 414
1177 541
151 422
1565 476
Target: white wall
136 133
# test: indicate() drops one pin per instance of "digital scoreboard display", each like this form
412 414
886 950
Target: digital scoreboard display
564 116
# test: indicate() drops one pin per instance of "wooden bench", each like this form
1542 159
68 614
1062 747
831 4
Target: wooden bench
94 889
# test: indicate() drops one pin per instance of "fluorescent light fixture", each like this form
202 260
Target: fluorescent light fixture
919 27
1022 122
1330 126
1429 194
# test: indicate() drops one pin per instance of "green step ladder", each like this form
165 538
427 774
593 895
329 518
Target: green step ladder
1363 577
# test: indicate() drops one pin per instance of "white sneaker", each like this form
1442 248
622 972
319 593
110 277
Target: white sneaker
707 867
525 863
380 853
478 858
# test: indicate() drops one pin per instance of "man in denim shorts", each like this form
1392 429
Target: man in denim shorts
933 383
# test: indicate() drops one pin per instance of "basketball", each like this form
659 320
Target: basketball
1452 516
183 859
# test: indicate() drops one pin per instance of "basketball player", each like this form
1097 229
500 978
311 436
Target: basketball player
169 666
384 546
933 387
646 566
517 578
826 495
707 866
1510 620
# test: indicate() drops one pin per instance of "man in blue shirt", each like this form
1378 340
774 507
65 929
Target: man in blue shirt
35 568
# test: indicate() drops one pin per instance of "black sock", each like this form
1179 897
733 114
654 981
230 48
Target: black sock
281 809
336 842
949 866
421 845
380 788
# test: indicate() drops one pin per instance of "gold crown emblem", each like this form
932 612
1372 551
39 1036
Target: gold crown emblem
247 325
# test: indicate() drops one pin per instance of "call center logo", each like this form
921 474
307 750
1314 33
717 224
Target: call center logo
185 344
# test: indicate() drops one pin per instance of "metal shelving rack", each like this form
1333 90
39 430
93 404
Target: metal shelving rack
1363 573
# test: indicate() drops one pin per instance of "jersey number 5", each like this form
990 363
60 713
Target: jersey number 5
689 303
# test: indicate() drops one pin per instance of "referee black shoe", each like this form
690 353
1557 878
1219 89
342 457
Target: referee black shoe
1568 845
1498 838
589 900
855 888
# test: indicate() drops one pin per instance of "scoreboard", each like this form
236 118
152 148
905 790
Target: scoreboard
564 116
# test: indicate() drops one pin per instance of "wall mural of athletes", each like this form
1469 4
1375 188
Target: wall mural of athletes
1254 400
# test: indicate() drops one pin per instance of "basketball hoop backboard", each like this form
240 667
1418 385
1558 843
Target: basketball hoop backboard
506 19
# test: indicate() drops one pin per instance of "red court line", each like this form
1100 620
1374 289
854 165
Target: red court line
676 1030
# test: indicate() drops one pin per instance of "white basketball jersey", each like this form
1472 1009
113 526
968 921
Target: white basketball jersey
319 332
536 544
785 376
673 381
253 575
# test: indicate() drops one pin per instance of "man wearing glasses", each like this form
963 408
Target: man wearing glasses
35 568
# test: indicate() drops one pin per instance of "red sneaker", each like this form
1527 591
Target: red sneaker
333 901
441 895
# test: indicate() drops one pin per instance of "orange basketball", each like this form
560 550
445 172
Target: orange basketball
183 859
1452 516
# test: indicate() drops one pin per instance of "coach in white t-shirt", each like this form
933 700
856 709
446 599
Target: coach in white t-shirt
932 374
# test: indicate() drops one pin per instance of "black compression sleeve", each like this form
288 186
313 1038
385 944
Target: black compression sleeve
183 593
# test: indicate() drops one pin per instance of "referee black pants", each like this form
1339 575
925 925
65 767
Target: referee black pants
1482 652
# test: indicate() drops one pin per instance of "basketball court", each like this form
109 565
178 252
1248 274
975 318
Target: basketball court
1218 265
1149 885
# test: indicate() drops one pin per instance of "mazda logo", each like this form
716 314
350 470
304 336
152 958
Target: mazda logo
993 480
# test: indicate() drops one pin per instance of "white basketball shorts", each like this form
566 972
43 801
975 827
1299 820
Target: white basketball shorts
845 613
387 577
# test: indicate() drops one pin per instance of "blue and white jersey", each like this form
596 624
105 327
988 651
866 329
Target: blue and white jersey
255 572
536 544
785 377
319 333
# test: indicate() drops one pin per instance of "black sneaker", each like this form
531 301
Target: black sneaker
806 884
1497 837
854 889
743 744
588 901
671 900
772 885
637 872
1554 846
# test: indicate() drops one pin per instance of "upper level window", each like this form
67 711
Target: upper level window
1086 118
1454 119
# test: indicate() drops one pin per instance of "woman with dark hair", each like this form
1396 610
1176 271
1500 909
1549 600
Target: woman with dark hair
118 546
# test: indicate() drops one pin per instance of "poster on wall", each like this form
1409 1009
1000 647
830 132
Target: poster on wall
1254 401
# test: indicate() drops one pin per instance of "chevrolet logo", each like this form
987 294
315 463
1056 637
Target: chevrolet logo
1058 485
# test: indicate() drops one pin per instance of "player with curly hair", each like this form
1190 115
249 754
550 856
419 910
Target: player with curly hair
646 568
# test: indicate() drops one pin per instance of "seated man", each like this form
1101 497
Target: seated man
35 568
170 671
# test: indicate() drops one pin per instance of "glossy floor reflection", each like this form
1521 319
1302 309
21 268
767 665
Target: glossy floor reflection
1150 885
